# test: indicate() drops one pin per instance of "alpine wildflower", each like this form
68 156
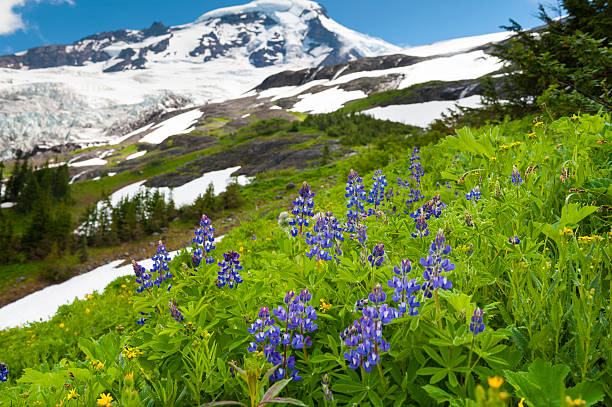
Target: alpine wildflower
142 277
435 264
105 400
355 192
514 240
516 176
160 264
404 289
174 312
477 326
3 372
377 193
230 270
302 210
474 194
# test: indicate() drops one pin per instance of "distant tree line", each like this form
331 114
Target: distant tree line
42 203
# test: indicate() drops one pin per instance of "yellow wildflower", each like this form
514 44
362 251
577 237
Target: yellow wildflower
324 307
72 395
574 117
129 376
531 135
87 310
267 238
90 296
520 404
495 382
493 159
105 400
61 325
502 148
568 231
67 329
539 124
515 144
123 286
577 402
241 249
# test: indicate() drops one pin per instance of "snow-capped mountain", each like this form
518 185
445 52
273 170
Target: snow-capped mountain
107 84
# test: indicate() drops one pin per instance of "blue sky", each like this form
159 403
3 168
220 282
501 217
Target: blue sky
29 23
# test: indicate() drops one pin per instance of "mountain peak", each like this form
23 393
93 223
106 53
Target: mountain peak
300 8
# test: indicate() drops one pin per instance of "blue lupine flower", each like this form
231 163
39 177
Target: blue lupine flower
3 372
302 210
474 194
468 219
516 176
404 289
433 207
204 240
142 277
174 311
377 193
160 264
435 264
142 319
356 194
327 235
514 240
365 334
360 304
297 320
378 255
229 273
377 295
477 326
415 166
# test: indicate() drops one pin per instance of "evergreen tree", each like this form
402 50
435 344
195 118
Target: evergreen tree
82 253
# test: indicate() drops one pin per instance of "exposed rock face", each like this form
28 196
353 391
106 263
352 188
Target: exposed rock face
297 78
88 49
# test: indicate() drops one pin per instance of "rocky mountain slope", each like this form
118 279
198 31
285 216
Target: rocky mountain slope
107 87
107 84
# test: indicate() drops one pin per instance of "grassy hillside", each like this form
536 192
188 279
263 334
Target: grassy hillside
474 272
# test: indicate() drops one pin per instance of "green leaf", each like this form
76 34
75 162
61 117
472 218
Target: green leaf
286 401
438 394
589 391
542 384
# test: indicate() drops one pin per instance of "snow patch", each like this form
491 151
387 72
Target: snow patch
182 123
135 155
420 114
88 163
326 101
6 205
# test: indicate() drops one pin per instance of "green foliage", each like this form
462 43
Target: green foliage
544 299
566 64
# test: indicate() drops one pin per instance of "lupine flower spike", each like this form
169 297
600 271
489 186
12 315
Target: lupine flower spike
176 314
477 326
364 336
160 264
205 242
142 277
302 210
3 372
356 196
514 240
404 289
327 235
295 321
435 264
230 270
516 176
474 195
327 393
377 193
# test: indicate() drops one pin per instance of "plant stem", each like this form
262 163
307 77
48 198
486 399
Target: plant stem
467 374
382 376
439 313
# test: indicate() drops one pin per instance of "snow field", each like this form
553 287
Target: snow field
420 114
182 123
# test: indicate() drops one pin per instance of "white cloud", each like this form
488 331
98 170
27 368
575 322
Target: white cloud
10 19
